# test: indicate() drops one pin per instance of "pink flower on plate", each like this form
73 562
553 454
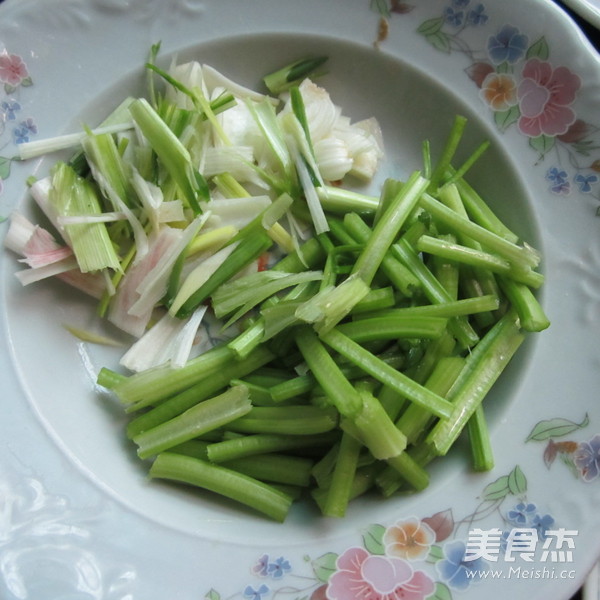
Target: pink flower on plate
545 95
364 576
13 69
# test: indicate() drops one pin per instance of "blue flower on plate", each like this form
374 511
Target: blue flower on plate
23 132
279 568
257 594
460 3
585 182
559 180
9 109
453 17
508 45
476 16
587 459
457 572
542 523
522 514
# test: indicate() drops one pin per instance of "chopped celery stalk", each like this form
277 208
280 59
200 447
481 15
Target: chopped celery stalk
225 482
344 470
415 420
162 382
410 470
434 291
286 420
274 468
90 242
531 314
374 428
363 481
392 328
375 300
452 142
169 149
481 213
518 255
476 258
479 440
387 375
339 390
281 80
398 274
262 443
387 228
203 417
332 304
484 368
214 382
108 378
444 310
248 340
467 164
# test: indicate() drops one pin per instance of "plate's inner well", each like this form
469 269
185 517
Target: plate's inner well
58 372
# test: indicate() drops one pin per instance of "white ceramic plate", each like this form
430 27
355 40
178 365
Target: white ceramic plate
78 518
587 9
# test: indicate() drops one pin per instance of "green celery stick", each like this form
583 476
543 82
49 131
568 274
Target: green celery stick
338 389
286 420
274 468
387 375
484 366
480 443
262 443
344 471
246 490
203 417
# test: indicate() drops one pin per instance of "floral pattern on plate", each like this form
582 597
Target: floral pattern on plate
14 128
522 88
582 457
435 557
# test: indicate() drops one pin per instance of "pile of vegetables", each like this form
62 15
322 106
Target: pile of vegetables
360 333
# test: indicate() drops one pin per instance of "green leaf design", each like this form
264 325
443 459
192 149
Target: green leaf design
435 553
505 118
381 7
539 49
441 592
212 595
373 539
517 482
325 566
497 489
4 167
542 144
440 41
27 82
504 67
431 26
555 428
